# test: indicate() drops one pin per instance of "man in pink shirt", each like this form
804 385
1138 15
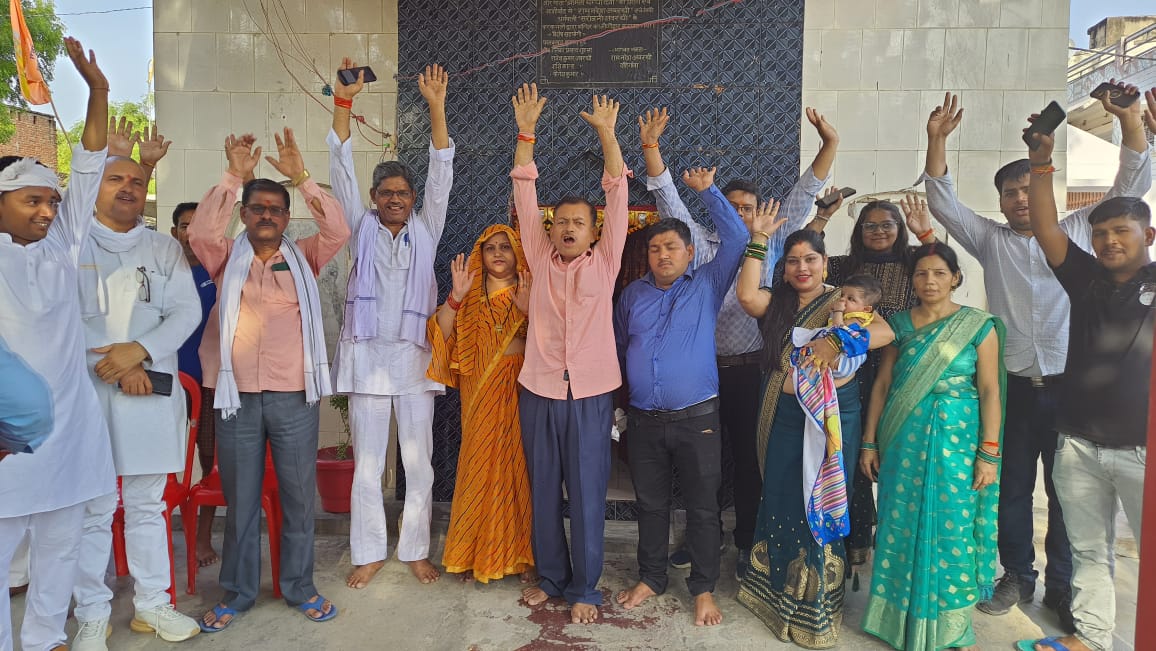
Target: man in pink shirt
571 363
264 354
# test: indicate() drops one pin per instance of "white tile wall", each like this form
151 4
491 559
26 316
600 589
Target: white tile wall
875 68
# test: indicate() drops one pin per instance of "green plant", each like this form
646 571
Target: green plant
341 404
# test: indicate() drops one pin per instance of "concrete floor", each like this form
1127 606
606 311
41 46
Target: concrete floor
397 613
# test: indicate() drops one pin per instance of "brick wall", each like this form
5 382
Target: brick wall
35 136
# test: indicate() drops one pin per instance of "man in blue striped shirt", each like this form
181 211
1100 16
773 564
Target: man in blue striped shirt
664 326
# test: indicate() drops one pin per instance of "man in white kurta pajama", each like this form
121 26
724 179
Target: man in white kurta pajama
136 293
42 495
383 354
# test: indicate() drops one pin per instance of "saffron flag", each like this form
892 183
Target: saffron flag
32 84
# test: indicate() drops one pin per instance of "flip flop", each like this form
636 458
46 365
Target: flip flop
316 603
1053 642
219 611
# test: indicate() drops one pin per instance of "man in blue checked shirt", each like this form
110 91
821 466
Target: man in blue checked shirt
664 326
737 337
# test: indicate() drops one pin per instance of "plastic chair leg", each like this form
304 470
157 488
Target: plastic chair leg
190 527
172 566
273 520
120 556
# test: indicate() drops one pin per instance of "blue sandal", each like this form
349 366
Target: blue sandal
1053 642
219 611
316 603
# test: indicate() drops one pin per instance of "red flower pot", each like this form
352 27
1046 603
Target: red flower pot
334 479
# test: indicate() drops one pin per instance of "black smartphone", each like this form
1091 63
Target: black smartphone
1051 117
829 200
162 382
348 76
1115 94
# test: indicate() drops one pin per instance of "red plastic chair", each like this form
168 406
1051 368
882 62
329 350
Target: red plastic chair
208 492
176 493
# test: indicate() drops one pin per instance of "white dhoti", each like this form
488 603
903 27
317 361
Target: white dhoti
18 569
369 418
52 539
146 546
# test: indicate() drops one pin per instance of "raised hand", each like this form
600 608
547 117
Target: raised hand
652 124
522 296
86 66
433 83
915 209
527 107
766 221
1150 112
1045 143
699 178
242 157
945 118
827 132
153 146
288 161
345 91
461 276
1125 114
603 113
121 138
829 211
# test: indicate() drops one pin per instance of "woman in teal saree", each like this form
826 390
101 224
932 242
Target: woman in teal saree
932 438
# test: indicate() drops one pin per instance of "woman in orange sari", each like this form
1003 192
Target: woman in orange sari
478 337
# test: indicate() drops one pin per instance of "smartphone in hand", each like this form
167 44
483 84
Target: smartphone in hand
1115 94
1050 118
348 76
829 200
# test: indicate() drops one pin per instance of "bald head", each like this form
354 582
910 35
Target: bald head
122 193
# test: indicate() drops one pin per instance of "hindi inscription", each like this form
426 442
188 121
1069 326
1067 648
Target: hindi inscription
627 58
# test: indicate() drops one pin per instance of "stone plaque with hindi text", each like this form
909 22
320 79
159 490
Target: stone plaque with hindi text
627 57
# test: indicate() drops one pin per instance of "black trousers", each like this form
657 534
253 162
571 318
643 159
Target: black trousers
1029 435
657 446
739 390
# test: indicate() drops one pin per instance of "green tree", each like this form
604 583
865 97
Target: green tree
47 32
137 112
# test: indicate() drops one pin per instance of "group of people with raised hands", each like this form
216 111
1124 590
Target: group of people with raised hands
825 373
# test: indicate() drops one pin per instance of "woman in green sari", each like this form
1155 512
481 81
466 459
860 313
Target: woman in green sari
935 422
794 584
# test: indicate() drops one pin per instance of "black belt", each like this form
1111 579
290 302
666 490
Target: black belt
746 359
1039 381
686 413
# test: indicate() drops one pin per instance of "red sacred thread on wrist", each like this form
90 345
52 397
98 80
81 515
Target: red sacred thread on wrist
924 235
527 137
991 444
650 145
454 305
343 102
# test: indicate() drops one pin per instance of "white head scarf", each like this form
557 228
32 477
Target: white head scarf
27 173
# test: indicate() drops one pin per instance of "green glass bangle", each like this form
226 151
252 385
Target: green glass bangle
756 245
984 456
868 445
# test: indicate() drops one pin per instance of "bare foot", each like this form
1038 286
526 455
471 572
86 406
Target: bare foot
529 576
583 613
634 597
424 570
466 577
1072 642
534 596
706 613
363 574
206 556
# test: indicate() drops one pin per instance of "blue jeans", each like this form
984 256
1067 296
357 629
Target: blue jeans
1029 435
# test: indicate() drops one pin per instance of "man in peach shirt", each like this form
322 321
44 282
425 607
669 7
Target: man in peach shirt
571 363
264 353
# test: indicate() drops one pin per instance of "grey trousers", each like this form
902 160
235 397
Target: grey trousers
290 427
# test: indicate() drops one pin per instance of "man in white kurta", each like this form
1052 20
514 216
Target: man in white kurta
42 495
383 354
139 304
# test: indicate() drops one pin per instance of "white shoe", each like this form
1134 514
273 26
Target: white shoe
91 636
168 624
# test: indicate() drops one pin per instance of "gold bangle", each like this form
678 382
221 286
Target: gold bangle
300 178
763 233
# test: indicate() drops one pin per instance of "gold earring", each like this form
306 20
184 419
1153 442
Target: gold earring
824 274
